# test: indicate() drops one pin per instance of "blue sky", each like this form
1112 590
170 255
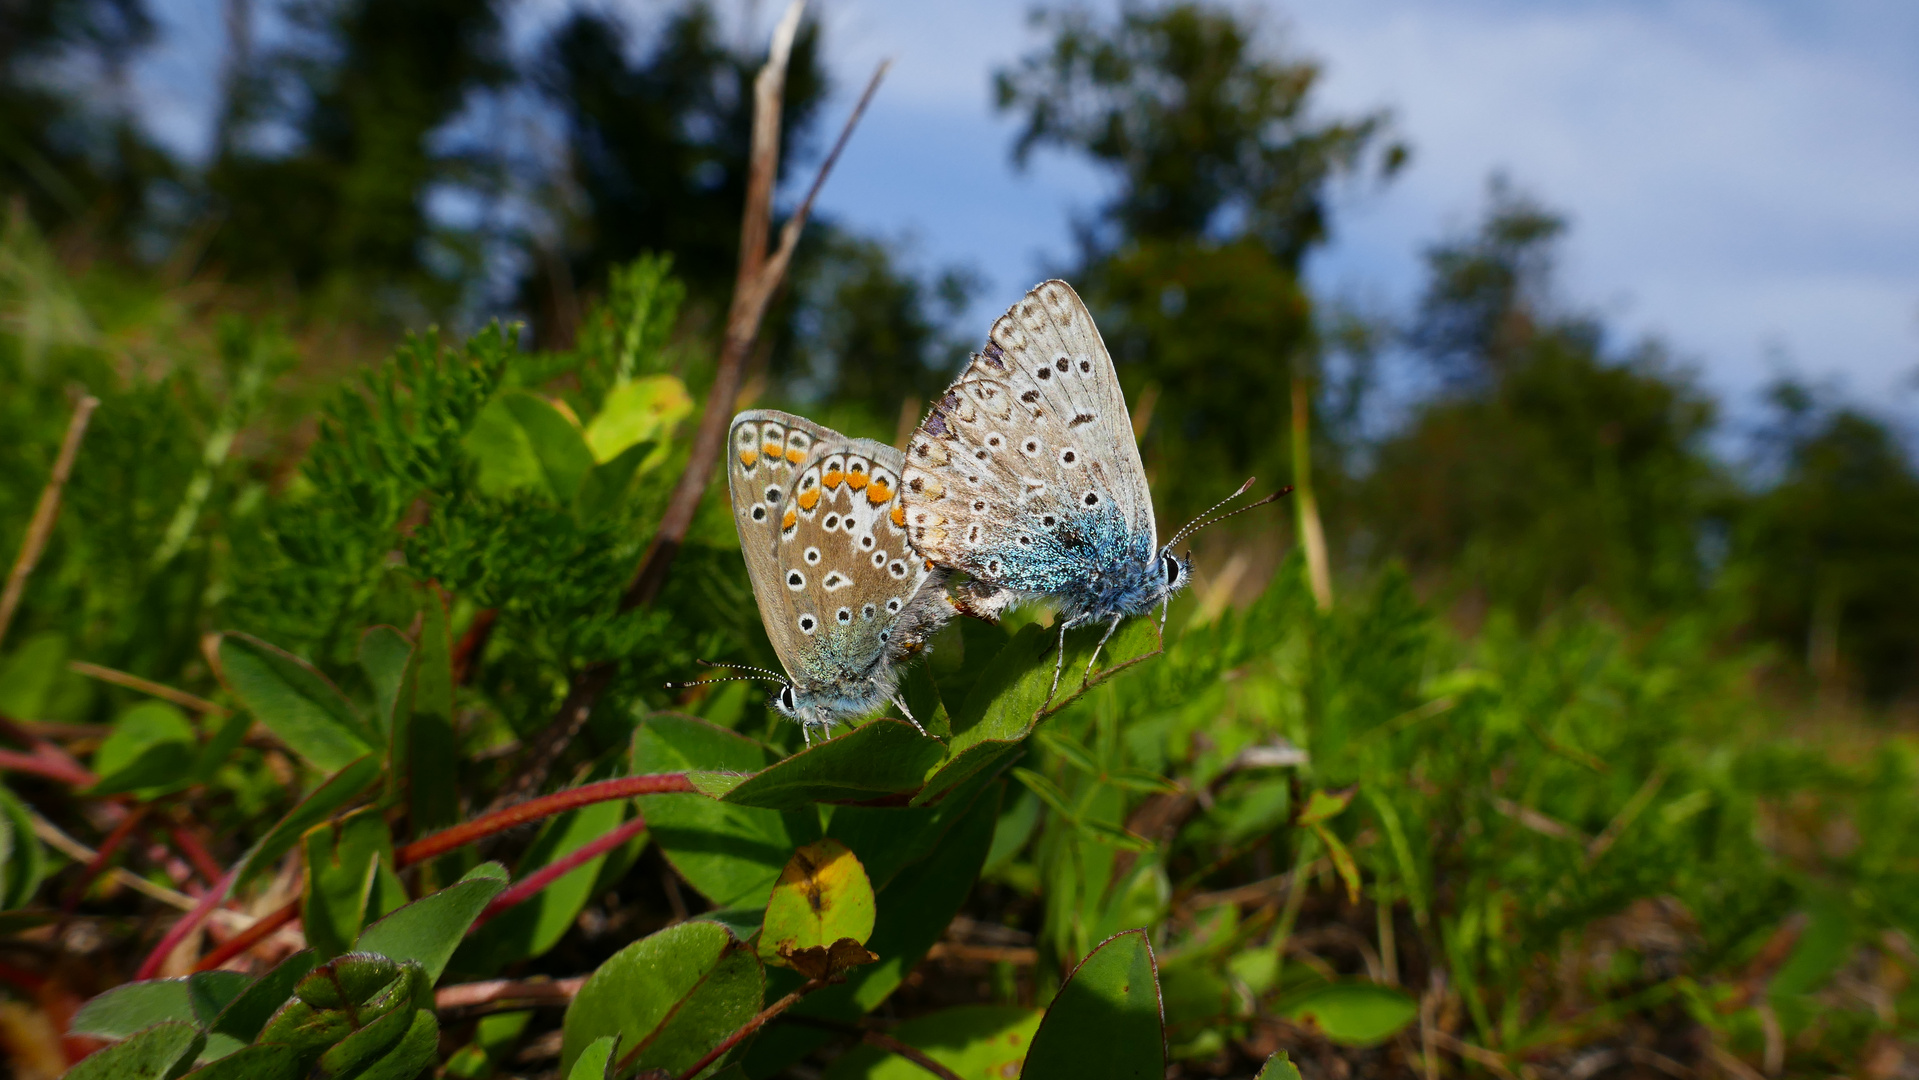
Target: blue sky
1742 179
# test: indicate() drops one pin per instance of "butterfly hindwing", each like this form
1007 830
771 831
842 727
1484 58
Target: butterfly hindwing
841 593
1026 474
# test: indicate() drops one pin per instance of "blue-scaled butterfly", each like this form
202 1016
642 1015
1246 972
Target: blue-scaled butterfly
846 601
1026 477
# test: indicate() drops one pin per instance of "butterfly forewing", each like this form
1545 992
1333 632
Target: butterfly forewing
1026 471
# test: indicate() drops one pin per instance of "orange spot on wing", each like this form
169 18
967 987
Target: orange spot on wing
878 493
791 517
748 457
899 516
856 480
809 499
774 450
795 455
833 479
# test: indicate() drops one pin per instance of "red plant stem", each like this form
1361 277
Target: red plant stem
196 853
427 847
746 1029
248 938
45 765
185 925
546 875
466 654
532 810
103 855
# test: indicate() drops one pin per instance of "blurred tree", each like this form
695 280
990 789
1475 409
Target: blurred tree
1193 263
359 99
1829 555
658 149
69 148
1547 467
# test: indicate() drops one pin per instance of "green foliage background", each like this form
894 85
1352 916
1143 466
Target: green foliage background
1602 746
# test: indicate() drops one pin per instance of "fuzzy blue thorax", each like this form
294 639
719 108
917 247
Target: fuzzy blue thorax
1093 565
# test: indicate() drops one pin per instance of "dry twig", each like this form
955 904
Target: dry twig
45 512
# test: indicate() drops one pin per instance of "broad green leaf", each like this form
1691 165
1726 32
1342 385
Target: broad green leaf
294 701
641 410
670 997
1352 1013
336 791
432 778
884 757
977 1042
1822 947
268 1061
384 656
1278 1067
912 910
731 854
1343 863
596 1061
1015 689
158 1053
363 1046
503 453
344 860
343 997
822 896
430 928
1323 806
28 675
1014 828
1105 1021
536 925
152 751
555 439
215 752
922 695
417 1048
250 1010
23 862
132 1007
603 488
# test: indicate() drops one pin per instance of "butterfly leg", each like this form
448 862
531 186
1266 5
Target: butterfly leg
1114 625
904 711
1061 664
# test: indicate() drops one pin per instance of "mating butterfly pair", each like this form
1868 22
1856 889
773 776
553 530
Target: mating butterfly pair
1024 477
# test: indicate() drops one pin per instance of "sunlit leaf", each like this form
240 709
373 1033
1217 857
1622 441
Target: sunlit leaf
884 757
295 702
1105 1021
1354 1013
161 1052
822 897
977 1042
672 996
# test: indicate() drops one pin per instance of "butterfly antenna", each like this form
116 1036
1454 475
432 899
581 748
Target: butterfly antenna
759 673
1203 521
742 667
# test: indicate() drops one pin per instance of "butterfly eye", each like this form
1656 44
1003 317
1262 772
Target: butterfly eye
788 701
1172 569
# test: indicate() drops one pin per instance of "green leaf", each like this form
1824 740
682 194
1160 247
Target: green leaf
884 757
1278 1067
268 1061
922 695
731 854
1352 1013
218 749
503 453
1049 793
132 1007
603 488
596 1061
250 1010
670 997
977 1042
344 859
639 411
416 1049
555 439
344 996
336 791
23 861
1323 806
27 677
1342 860
1106 1020
384 656
152 751
430 928
914 907
294 701
531 928
363 1046
432 775
1822 947
1005 702
158 1053
822 896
